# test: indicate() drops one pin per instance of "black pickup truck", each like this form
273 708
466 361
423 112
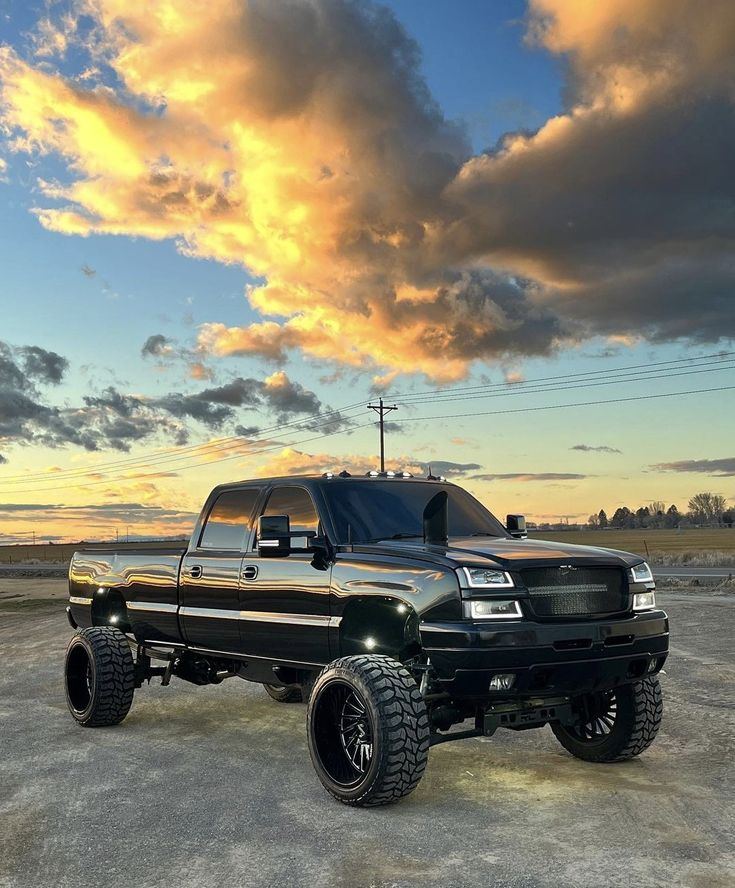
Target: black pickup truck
400 609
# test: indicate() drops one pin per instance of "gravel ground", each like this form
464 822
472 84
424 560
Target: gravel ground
213 786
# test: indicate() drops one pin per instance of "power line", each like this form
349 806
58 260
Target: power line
641 373
722 388
610 370
195 465
175 454
530 384
585 384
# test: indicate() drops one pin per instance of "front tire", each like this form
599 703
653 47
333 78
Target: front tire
616 725
368 730
99 677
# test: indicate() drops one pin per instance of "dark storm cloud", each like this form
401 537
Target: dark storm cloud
590 448
277 393
238 393
286 397
155 346
717 468
43 366
115 420
111 399
194 407
630 199
447 468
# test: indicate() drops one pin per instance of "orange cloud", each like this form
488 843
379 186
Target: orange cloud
299 141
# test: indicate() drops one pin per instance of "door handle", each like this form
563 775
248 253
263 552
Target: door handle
195 571
249 572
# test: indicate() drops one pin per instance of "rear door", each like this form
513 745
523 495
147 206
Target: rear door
210 572
285 602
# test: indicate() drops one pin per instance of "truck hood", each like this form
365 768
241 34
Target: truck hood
513 554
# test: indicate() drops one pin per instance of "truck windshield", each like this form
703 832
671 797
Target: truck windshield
381 510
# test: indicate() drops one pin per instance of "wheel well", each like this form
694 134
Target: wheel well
379 626
109 609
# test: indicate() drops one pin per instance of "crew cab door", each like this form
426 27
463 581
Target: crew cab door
285 599
210 572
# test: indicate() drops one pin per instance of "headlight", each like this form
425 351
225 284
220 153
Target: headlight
495 610
481 578
641 573
643 601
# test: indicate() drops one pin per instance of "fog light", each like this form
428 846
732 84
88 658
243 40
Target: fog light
503 681
653 664
644 601
503 610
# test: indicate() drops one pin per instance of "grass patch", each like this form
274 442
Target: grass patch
665 545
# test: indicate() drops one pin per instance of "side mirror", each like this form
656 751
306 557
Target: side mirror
274 535
516 526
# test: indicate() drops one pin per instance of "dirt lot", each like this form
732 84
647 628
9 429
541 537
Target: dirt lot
213 786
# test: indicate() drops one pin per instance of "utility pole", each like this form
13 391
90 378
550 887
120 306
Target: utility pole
381 410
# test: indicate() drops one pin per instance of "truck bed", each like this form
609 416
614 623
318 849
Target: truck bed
147 580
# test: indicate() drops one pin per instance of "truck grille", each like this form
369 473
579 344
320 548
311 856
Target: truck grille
576 591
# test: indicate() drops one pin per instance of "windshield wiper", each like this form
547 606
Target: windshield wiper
404 536
483 533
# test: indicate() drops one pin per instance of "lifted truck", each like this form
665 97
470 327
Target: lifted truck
398 608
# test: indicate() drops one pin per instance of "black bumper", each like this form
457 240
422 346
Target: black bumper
547 659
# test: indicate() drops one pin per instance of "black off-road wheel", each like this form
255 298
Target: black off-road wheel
284 695
99 677
368 730
615 725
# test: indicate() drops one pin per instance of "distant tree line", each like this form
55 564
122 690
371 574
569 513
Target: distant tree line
704 509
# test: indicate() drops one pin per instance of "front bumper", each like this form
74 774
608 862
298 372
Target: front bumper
547 659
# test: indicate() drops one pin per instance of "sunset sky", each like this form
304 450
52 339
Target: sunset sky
227 226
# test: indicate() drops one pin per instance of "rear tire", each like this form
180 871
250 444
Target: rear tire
619 724
99 677
284 695
368 730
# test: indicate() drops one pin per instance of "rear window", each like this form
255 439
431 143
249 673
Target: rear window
229 519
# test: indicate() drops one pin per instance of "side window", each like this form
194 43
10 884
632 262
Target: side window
297 504
229 519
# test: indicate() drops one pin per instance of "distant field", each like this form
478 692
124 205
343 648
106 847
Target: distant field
63 552
678 543
681 545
